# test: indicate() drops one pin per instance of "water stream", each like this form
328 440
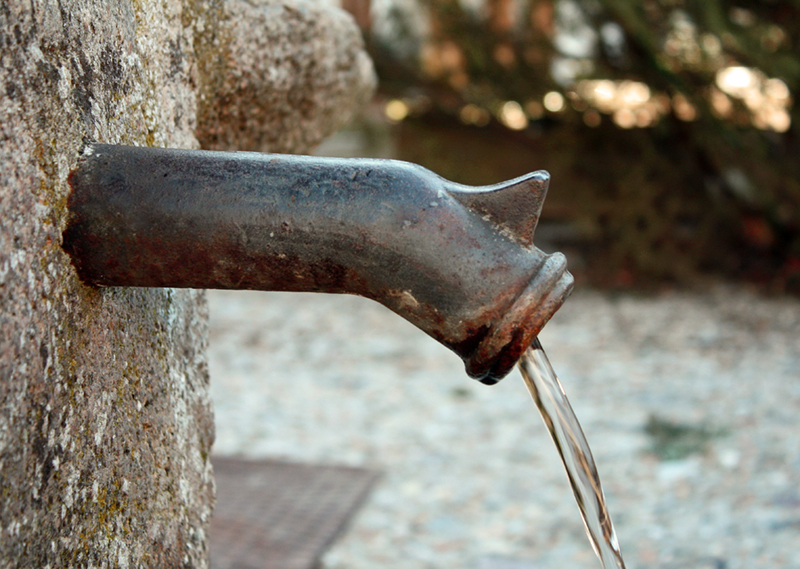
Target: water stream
550 398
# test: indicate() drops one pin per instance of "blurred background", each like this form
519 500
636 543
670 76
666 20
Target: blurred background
670 133
668 125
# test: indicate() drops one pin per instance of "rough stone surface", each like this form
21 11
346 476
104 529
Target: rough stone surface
105 421
287 75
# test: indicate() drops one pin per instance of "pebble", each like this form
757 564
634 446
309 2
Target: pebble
471 479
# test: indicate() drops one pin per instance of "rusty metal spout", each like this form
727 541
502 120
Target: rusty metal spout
458 262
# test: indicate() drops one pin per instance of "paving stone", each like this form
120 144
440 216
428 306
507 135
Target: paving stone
470 473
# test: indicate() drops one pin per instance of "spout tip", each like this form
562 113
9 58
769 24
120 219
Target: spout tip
514 206
499 351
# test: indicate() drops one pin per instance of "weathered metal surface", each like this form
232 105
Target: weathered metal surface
458 262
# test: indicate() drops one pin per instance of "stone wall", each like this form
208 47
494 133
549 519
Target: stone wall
291 73
105 421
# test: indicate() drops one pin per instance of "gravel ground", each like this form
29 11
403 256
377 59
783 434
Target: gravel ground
471 479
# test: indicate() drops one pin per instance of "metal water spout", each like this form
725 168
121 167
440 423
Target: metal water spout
458 262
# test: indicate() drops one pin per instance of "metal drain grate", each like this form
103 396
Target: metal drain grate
281 515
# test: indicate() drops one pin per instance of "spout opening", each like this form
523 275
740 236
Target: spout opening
500 349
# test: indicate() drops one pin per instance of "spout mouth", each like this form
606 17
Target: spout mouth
508 338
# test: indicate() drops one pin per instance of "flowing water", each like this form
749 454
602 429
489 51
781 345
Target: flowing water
576 455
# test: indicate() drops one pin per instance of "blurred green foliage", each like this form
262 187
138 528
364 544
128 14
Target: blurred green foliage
674 143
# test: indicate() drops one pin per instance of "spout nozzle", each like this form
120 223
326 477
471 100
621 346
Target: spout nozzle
498 352
514 208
